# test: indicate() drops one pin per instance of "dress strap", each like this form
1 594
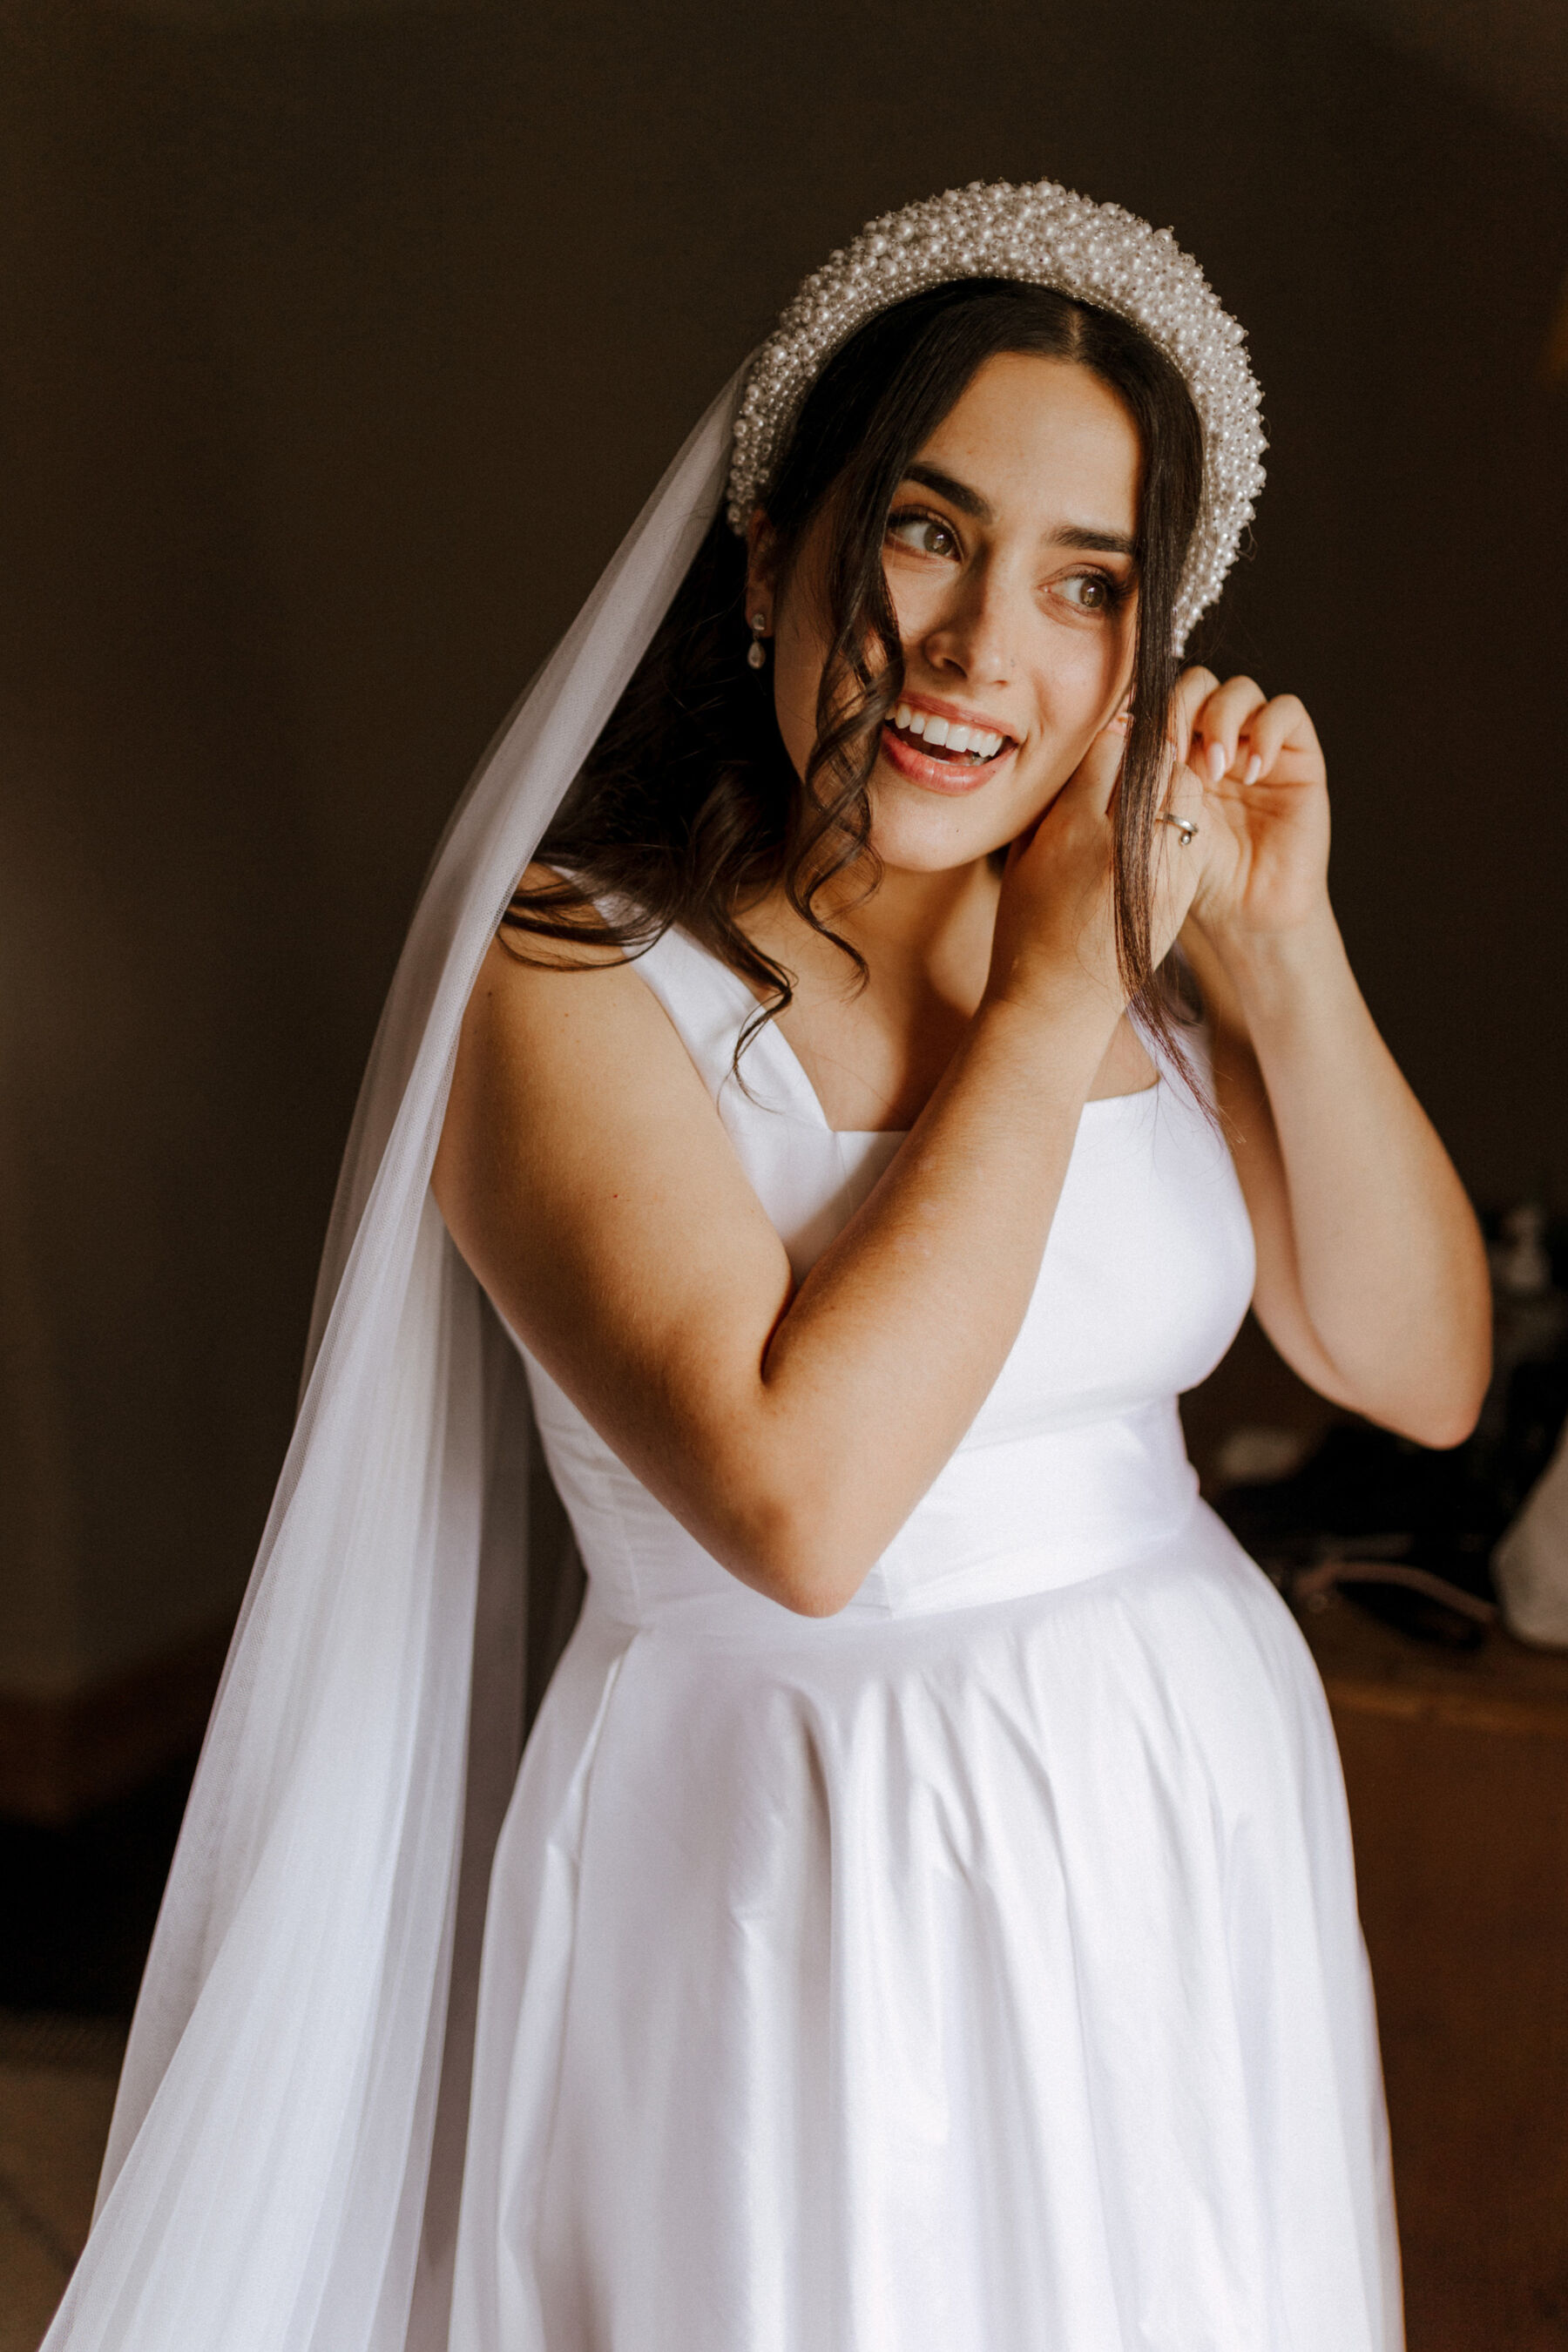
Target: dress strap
710 1005
700 996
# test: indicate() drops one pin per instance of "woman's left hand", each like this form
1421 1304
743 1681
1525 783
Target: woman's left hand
1265 805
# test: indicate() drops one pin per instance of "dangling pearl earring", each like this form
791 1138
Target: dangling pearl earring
756 653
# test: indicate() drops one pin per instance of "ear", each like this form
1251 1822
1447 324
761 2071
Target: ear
762 566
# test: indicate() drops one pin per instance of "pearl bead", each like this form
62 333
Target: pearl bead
1043 236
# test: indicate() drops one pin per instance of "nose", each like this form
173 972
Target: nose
975 636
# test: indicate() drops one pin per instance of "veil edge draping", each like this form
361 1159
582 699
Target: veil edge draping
302 2032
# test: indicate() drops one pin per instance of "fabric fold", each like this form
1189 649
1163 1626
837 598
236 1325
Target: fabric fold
266 2179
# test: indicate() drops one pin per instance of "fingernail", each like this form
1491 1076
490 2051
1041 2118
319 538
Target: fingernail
1254 770
1218 762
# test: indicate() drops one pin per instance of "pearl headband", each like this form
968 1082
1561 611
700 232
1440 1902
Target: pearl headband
1043 235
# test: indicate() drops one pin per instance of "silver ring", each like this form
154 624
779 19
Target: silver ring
1186 826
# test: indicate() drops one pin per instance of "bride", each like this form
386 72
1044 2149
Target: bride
924 1918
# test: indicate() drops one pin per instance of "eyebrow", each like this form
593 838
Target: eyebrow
1104 542
957 493
970 502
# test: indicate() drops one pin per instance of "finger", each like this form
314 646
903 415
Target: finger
1280 726
1179 819
1099 770
1182 811
1222 724
1192 690
1179 851
1184 793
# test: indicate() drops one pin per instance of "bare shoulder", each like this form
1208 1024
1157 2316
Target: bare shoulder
563 1040
585 1174
581 1151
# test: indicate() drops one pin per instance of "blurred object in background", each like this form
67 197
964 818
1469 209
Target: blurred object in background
1523 1440
1529 1337
1531 1564
1408 1533
1256 1453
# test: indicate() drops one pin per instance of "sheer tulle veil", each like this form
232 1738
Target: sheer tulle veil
300 2046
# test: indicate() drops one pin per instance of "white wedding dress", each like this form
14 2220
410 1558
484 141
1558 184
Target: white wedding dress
976 1970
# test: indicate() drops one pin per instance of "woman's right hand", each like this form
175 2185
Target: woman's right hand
1055 918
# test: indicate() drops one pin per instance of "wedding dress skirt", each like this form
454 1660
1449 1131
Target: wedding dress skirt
978 1970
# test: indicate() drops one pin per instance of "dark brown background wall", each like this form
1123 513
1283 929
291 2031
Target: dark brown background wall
338 350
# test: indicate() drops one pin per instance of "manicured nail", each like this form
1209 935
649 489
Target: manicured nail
1218 762
1254 770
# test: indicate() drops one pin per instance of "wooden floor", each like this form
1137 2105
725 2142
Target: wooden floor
1457 1771
57 2092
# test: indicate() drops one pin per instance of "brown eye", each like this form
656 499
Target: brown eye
925 534
1090 592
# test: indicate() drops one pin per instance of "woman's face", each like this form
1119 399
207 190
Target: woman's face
1009 561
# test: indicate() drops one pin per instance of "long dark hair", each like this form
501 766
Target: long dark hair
689 808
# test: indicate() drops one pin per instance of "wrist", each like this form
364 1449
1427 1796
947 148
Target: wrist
1273 973
1057 1030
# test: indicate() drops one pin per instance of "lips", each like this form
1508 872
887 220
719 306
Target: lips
949 739
941 749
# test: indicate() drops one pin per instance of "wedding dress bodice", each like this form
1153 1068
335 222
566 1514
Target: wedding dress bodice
1076 1461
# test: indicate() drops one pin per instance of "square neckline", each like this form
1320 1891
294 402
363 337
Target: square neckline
794 1071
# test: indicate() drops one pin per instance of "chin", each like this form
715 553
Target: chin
918 833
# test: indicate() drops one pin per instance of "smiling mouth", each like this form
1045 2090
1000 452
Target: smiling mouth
947 740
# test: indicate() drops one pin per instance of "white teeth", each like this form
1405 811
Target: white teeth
979 742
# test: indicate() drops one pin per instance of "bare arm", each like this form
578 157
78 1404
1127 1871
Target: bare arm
1371 1278
587 1178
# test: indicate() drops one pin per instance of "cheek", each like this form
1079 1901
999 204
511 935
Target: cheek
920 602
1083 675
1073 694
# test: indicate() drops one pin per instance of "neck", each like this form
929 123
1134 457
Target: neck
911 916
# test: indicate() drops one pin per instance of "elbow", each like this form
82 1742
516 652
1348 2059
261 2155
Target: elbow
1447 1413
1466 1413
1434 1390
800 1553
1456 1411
810 1579
815 1595
1463 1372
1441 1430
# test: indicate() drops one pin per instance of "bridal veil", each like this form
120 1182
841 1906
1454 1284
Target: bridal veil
299 2045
